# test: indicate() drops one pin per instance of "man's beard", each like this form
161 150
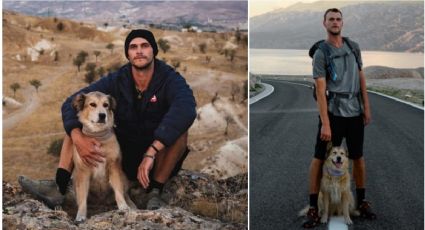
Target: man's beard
144 67
334 33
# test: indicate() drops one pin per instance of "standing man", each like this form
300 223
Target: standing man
343 107
155 108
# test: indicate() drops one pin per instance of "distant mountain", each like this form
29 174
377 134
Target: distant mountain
385 26
217 14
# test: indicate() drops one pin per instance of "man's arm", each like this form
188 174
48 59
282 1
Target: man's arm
367 117
178 119
322 104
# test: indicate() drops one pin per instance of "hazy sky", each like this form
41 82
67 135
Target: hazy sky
257 7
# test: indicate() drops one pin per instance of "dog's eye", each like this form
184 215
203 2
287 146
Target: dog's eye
105 105
93 105
334 153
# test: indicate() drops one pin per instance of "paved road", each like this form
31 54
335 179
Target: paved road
282 133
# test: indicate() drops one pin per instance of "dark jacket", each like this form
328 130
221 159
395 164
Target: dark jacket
165 112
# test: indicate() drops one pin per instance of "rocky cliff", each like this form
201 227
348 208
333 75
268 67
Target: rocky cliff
195 201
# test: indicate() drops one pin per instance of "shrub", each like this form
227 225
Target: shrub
55 147
163 45
60 26
203 47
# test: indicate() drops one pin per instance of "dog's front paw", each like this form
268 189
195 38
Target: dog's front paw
123 207
324 219
348 220
80 219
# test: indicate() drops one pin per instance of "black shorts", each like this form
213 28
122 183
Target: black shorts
352 128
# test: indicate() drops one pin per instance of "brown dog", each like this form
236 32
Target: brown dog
335 196
95 112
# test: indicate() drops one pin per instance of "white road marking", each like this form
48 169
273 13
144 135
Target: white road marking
337 223
267 91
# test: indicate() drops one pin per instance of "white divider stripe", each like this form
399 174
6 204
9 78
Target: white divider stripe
337 223
267 91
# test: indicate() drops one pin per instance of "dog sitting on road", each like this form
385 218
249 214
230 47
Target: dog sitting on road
95 112
335 196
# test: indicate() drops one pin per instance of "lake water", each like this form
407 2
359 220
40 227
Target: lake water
297 62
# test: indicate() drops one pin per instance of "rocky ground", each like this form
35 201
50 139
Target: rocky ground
195 201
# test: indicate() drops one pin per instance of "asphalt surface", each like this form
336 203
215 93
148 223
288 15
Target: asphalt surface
283 128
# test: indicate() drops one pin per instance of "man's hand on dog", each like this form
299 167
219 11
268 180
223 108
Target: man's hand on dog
143 171
88 148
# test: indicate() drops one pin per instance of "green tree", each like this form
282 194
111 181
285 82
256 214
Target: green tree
96 54
15 86
163 45
100 71
36 83
111 47
90 67
78 61
83 55
89 77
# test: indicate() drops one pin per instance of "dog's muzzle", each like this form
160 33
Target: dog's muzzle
338 163
102 118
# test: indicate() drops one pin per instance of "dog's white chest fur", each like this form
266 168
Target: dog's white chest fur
335 190
99 172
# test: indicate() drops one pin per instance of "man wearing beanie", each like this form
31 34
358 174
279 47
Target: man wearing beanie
155 108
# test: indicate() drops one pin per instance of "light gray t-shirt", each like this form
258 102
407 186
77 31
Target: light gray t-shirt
347 80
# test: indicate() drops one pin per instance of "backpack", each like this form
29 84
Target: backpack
330 67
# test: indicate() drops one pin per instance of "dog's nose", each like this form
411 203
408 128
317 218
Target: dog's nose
338 159
102 116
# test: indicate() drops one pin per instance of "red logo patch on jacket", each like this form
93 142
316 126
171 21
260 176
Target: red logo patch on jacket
153 99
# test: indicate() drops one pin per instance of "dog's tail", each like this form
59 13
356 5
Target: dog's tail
304 211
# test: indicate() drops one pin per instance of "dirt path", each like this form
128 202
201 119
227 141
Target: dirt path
32 102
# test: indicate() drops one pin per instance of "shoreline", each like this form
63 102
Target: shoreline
409 94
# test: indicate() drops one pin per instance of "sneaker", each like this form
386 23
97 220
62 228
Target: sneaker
43 190
154 200
365 210
313 218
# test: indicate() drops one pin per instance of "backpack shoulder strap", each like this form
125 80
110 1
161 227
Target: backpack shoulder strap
313 48
354 48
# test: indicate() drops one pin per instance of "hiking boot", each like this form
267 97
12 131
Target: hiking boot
313 218
365 210
154 200
43 190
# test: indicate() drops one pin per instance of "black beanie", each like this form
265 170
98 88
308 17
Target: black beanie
146 34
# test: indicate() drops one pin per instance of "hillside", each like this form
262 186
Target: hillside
221 15
35 48
385 26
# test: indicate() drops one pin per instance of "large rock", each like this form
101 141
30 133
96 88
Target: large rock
196 201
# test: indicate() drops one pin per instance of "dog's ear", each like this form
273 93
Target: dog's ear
112 103
78 102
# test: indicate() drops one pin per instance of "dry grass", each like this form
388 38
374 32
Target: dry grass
25 145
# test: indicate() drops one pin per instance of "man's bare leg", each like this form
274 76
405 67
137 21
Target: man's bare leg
167 159
65 160
63 173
